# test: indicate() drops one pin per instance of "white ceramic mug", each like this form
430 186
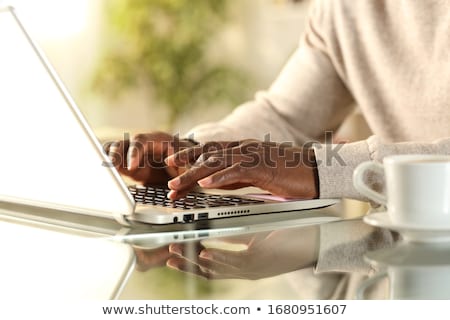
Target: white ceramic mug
417 188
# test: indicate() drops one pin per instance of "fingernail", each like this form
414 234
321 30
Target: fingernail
171 263
171 194
205 255
205 182
175 250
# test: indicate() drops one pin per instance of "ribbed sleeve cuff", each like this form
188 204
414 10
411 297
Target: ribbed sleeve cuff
343 245
335 163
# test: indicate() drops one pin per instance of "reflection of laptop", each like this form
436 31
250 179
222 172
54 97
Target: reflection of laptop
51 264
50 157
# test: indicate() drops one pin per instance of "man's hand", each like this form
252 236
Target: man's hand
267 254
142 157
283 170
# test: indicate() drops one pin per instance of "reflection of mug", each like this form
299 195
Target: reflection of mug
426 283
417 188
414 271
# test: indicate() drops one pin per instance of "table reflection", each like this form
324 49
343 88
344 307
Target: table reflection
298 257
252 256
313 268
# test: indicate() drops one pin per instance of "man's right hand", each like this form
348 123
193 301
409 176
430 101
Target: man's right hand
142 157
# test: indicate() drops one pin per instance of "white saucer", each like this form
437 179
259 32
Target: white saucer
411 254
409 233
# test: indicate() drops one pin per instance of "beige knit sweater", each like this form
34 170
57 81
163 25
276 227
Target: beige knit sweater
389 57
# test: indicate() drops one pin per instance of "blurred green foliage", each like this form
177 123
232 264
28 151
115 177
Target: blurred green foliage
165 44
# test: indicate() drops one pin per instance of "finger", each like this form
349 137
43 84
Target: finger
148 176
107 146
188 251
213 173
236 174
212 257
189 179
190 155
116 153
220 269
150 147
173 172
183 265
133 156
236 186
199 154
151 258
174 194
184 157
138 148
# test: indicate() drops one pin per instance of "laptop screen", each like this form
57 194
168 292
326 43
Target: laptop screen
49 156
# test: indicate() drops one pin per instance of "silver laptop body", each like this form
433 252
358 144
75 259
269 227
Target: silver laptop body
51 158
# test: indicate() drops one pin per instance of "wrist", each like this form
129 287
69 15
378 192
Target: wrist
312 164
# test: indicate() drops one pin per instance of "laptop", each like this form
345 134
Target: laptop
51 158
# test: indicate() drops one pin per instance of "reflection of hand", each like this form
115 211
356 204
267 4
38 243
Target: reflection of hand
267 254
151 258
280 169
142 157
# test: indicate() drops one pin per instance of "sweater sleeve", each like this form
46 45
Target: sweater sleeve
336 163
307 98
344 243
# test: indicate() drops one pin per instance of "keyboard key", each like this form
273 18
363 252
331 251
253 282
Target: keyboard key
194 200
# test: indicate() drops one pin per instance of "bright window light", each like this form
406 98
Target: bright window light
52 19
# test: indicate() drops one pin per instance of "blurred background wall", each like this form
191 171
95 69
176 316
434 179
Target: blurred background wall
254 40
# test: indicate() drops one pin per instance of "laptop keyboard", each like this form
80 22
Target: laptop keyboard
157 196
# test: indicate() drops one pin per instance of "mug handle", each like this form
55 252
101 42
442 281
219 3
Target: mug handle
366 284
359 184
